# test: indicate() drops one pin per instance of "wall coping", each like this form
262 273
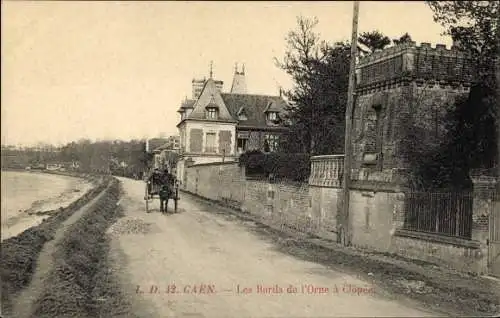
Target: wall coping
207 154
325 186
376 186
484 179
214 164
323 157
436 238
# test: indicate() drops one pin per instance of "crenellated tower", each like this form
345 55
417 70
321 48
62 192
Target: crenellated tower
400 88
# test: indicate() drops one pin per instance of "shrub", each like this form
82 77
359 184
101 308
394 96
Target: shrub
289 166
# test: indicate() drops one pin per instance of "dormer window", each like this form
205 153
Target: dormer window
211 113
272 116
242 114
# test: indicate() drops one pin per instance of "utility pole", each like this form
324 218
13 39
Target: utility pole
497 70
346 233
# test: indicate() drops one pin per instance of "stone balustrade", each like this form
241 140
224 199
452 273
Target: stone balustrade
327 171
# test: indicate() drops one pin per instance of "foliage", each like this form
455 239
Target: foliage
474 27
470 143
405 38
372 41
102 156
318 102
289 166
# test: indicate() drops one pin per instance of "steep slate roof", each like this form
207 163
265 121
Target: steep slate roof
210 95
254 106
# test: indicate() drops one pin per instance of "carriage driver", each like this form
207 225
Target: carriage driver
154 178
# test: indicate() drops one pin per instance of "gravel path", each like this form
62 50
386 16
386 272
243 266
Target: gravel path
221 268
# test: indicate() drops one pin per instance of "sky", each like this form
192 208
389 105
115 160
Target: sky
119 70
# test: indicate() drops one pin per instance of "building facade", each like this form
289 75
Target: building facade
402 91
217 126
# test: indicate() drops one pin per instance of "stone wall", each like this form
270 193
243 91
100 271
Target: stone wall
279 203
376 211
216 181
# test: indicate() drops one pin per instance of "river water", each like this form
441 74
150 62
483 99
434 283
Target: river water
26 192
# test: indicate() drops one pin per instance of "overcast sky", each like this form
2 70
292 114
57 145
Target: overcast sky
74 70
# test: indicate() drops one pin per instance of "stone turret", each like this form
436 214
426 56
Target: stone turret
409 61
398 85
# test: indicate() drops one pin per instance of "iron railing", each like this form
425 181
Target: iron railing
444 213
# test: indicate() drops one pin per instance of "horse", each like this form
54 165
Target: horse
167 191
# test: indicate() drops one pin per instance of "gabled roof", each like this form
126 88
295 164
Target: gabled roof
254 107
210 95
274 106
212 103
241 111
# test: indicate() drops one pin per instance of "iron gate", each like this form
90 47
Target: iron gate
494 241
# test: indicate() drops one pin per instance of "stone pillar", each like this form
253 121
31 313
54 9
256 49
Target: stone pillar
483 205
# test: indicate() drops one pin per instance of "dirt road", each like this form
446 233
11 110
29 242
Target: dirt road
220 268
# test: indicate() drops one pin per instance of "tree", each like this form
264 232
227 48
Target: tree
372 41
405 38
302 48
465 146
474 27
320 75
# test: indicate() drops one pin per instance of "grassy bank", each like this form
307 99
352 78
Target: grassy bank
19 254
79 283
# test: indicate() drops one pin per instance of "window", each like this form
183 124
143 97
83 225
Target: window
273 142
211 113
242 144
272 116
210 145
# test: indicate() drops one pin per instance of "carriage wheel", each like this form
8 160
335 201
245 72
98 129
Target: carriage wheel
146 198
176 199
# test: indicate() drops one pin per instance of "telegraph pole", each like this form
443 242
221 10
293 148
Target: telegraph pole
497 75
346 233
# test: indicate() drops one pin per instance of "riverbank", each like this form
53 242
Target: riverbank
19 254
30 197
71 266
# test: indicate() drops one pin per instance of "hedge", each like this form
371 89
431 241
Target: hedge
289 166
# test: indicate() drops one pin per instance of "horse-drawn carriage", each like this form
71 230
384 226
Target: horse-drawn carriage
162 185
